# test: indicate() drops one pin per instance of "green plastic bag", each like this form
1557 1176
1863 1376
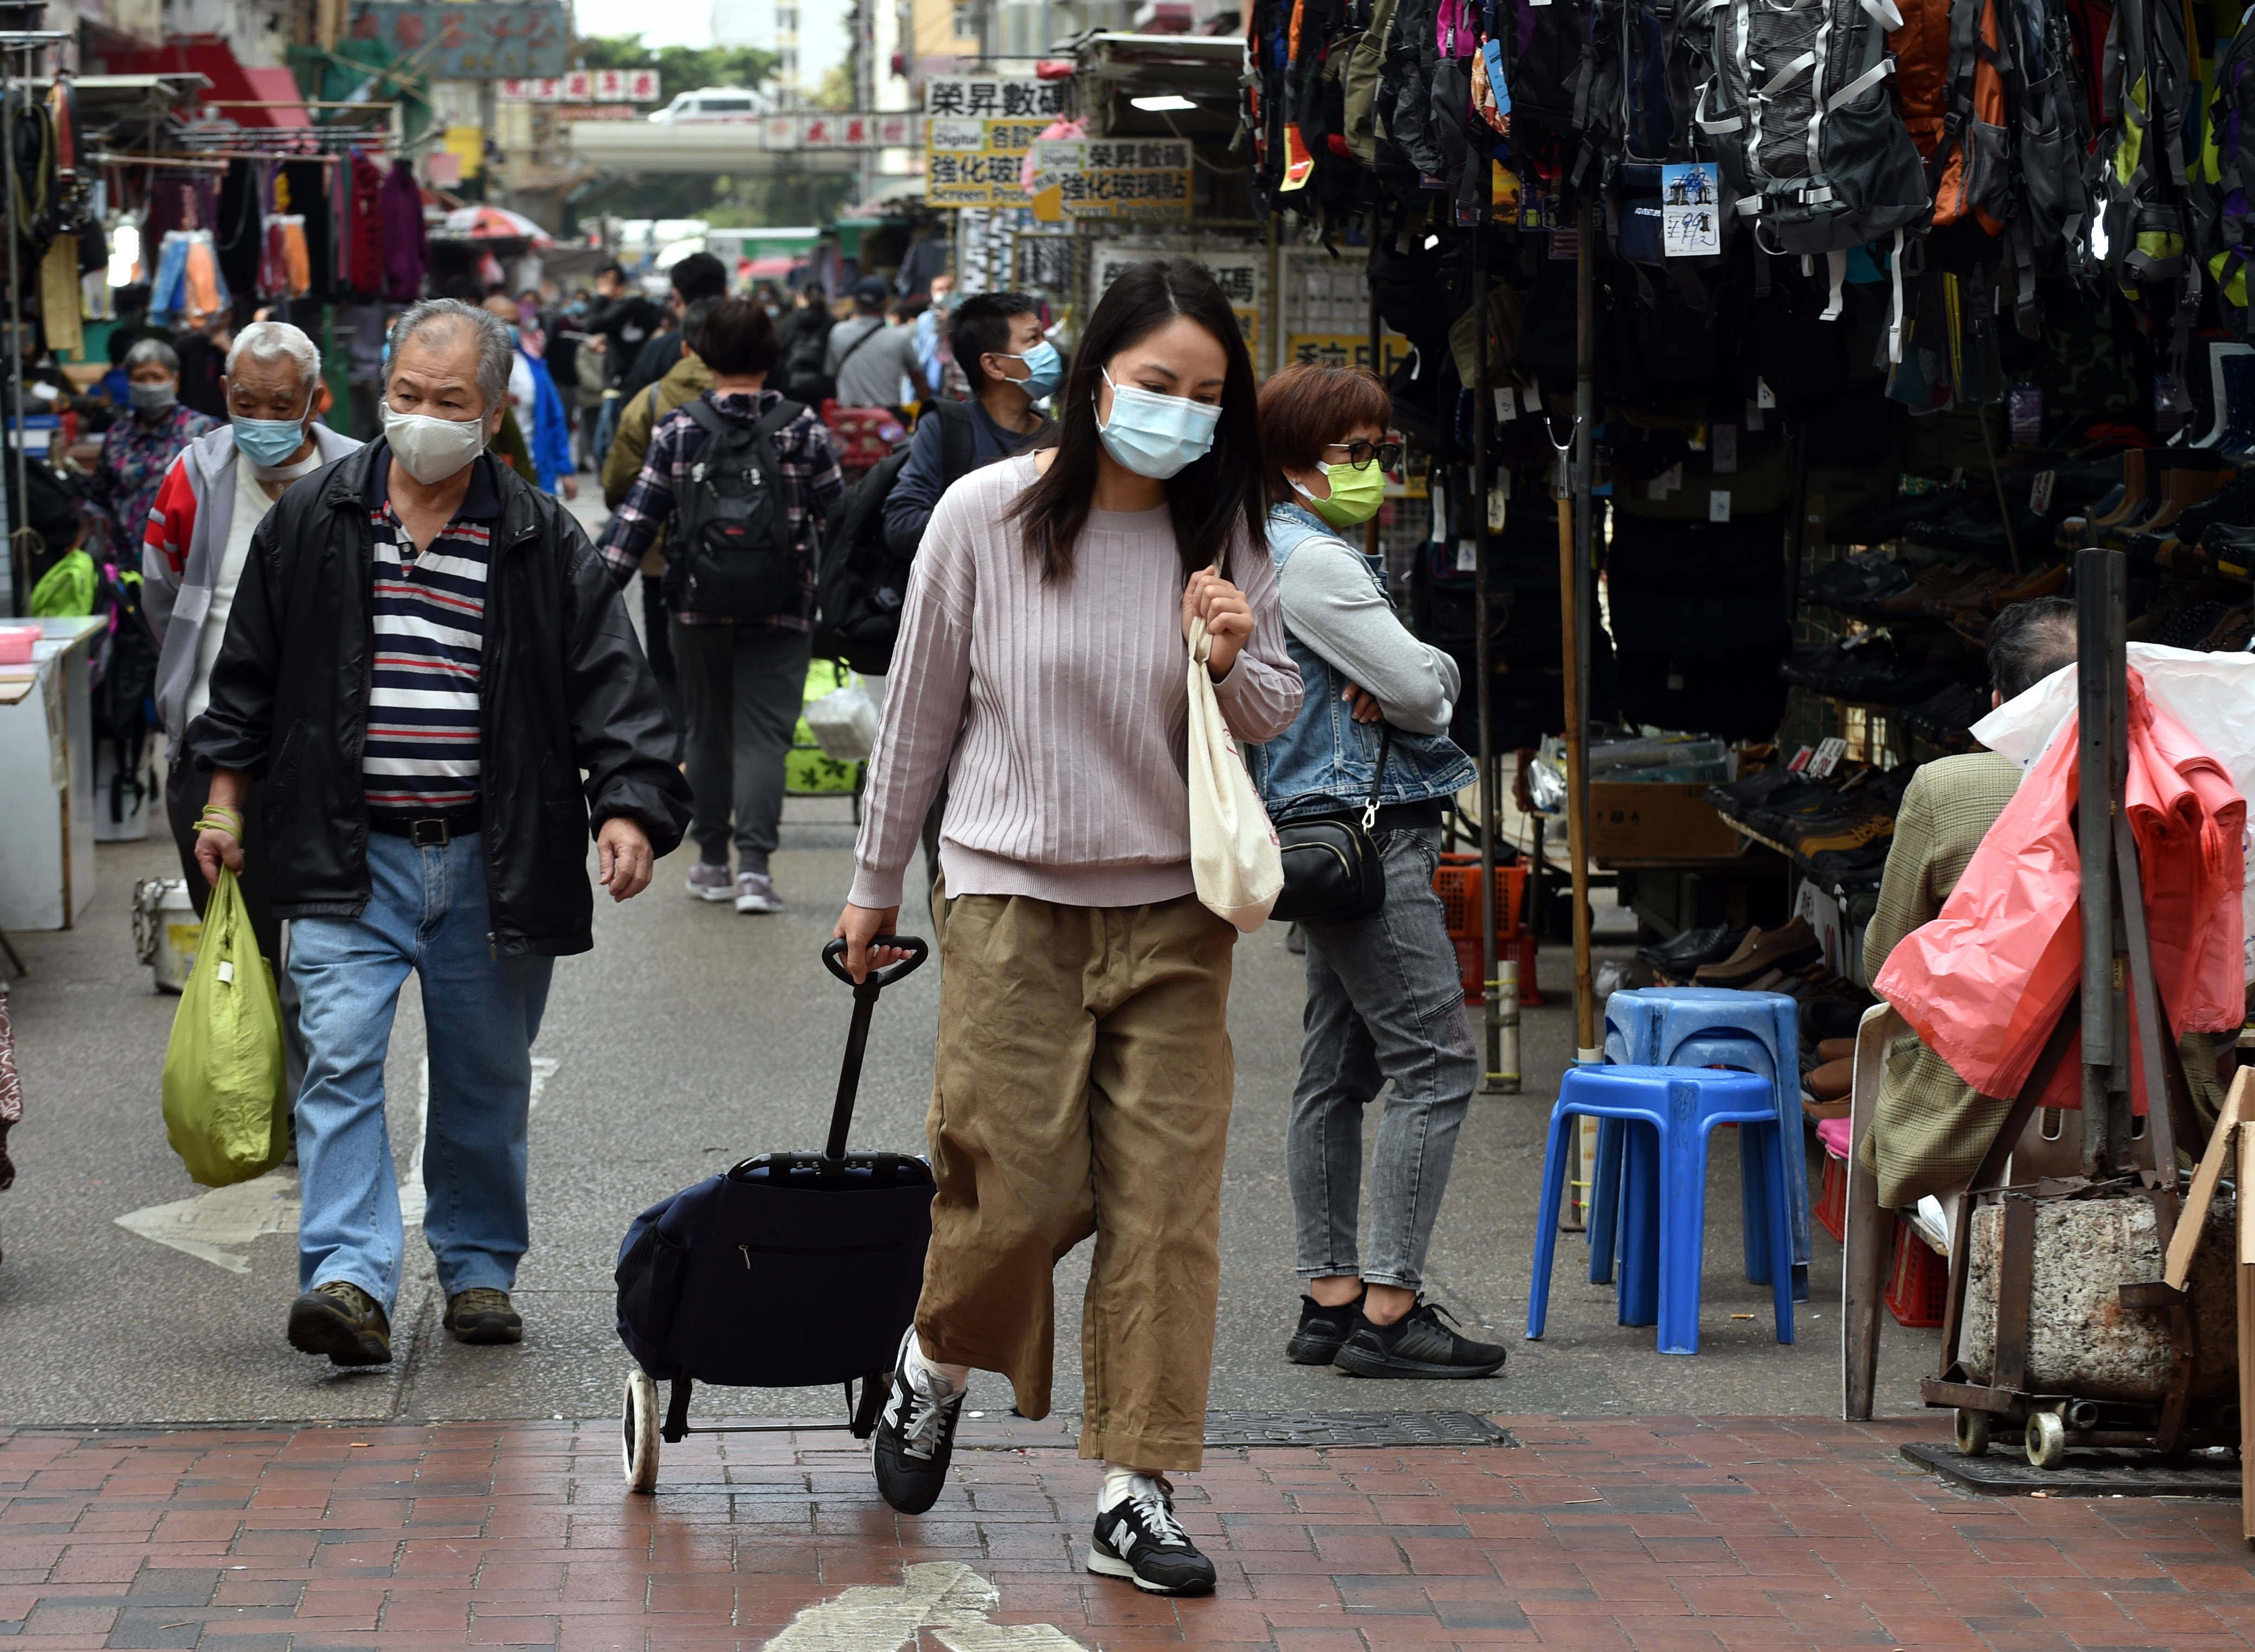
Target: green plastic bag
65 591
226 1094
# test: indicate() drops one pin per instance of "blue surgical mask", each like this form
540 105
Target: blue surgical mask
268 441
1044 369
1155 435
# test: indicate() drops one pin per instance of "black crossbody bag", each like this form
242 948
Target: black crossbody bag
1332 866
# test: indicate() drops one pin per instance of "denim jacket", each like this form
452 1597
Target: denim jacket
1324 763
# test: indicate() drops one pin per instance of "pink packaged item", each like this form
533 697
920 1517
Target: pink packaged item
15 643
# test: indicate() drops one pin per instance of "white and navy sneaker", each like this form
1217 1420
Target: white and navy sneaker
916 1437
1138 1538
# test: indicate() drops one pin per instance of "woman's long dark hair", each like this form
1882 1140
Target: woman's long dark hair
1208 500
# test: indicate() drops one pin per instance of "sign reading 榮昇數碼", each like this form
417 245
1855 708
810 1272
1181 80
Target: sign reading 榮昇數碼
1131 178
977 131
445 40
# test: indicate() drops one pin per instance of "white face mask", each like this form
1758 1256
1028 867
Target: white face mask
431 449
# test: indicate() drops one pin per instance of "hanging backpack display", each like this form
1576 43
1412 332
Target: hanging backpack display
1808 137
2139 237
732 552
2229 238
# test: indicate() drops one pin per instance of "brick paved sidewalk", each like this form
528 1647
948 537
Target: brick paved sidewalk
1661 1533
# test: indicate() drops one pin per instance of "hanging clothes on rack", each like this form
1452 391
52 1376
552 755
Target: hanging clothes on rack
59 297
189 287
365 230
308 183
240 229
406 245
180 201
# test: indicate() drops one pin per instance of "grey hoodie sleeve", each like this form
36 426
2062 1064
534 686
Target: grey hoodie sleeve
1332 606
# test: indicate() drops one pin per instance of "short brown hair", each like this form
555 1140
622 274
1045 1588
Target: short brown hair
1307 407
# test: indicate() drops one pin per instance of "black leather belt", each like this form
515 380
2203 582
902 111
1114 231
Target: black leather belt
433 832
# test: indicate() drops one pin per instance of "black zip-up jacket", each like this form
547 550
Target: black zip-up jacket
564 687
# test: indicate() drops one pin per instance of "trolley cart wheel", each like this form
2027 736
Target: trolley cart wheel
1971 1433
640 1431
2046 1440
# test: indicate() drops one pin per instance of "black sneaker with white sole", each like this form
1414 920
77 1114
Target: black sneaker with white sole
1138 1538
916 1437
1417 1345
1321 1331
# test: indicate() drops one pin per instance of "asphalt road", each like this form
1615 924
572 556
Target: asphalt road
689 1037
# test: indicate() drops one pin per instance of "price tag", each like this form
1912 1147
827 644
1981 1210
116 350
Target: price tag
1665 483
1764 397
1800 761
1724 440
1467 557
1506 403
227 969
2039 491
1531 397
1499 504
1828 753
1719 504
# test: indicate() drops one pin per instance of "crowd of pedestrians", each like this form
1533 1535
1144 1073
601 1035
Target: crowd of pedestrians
406 795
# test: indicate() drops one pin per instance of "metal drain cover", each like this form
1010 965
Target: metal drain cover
2089 1471
1353 1429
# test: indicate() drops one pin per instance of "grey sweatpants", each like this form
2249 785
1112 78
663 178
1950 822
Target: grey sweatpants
741 690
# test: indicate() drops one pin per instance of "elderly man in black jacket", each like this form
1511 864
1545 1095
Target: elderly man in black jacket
425 657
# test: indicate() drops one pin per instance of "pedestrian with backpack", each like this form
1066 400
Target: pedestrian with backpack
1083 1076
741 480
805 340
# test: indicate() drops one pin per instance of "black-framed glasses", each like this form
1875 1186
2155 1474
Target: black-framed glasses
1360 454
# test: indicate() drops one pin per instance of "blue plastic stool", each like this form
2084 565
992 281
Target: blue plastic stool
1666 1113
1706 1026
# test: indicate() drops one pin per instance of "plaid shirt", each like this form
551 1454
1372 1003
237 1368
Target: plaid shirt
807 479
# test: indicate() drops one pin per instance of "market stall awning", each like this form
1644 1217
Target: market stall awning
246 95
490 223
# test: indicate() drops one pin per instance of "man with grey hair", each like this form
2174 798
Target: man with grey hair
429 670
140 447
195 539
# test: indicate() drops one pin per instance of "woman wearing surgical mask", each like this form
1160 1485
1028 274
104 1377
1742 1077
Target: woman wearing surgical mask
1083 1077
140 447
1386 999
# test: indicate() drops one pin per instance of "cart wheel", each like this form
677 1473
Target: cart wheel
640 1430
2046 1440
1971 1433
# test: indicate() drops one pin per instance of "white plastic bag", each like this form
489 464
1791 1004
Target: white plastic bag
1234 860
844 723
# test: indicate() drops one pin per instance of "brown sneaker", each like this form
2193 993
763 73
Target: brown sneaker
343 1321
483 1315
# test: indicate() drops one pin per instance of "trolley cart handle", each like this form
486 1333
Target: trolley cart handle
857 1036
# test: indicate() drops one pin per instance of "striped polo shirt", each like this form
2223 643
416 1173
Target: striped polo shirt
421 756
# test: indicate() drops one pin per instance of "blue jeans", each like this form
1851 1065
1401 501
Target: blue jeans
1385 1001
426 912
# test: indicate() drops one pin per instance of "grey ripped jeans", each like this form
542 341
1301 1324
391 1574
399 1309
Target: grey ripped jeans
1385 1001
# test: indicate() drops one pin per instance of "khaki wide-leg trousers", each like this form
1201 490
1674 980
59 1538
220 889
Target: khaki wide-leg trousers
1082 1086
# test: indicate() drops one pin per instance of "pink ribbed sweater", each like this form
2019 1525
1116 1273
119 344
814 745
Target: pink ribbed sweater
1058 713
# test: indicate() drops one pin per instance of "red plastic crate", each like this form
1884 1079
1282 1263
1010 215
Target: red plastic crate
1918 1283
1458 884
1832 1200
1520 946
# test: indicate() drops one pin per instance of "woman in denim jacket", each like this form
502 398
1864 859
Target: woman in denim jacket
1385 999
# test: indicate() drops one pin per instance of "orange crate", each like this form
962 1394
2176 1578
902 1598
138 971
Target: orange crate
1520 946
1918 1283
1458 884
1832 1200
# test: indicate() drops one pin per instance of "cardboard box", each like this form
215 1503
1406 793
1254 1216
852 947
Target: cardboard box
1656 820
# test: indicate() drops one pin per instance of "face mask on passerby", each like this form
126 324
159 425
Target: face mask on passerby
270 441
1155 435
1044 370
431 449
153 397
1355 496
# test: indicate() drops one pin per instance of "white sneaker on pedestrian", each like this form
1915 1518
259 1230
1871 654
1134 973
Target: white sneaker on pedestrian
709 882
756 893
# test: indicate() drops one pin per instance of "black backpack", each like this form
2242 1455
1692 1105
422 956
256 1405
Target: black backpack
863 584
731 551
122 682
802 377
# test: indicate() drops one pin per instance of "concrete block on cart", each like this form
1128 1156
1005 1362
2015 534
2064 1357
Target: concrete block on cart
2082 1340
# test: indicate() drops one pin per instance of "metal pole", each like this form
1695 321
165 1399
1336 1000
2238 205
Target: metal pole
2099 657
18 555
1581 584
1492 1082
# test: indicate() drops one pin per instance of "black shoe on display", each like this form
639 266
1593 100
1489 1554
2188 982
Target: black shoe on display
1138 1538
1417 1344
916 1437
1321 1330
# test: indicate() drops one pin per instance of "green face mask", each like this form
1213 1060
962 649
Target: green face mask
1355 494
